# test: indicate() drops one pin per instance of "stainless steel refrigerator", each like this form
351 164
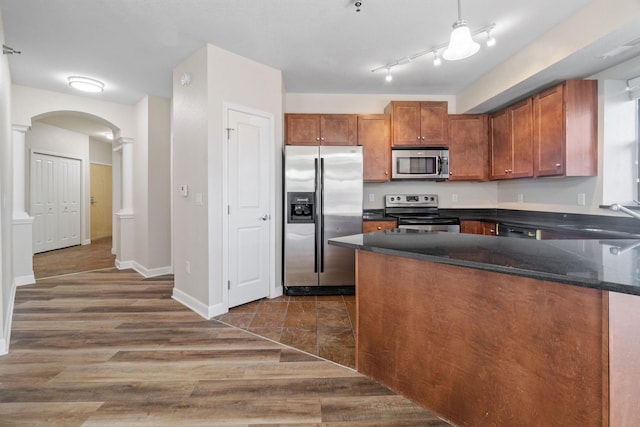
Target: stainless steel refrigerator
323 199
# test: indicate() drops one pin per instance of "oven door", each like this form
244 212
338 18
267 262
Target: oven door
449 224
451 228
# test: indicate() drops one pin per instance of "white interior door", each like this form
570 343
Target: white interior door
55 202
68 202
248 194
43 202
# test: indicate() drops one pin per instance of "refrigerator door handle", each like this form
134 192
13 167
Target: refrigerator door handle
317 219
321 217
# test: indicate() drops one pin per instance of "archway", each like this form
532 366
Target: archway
97 134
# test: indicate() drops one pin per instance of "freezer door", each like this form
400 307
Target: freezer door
300 245
340 202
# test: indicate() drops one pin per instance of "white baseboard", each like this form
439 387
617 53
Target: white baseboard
6 336
146 272
152 272
123 265
208 312
28 279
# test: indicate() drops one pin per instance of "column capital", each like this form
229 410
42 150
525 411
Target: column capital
20 128
123 140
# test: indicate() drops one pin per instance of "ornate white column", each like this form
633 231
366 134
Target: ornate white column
125 225
22 222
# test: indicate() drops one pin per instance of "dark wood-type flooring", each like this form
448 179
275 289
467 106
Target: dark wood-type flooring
110 348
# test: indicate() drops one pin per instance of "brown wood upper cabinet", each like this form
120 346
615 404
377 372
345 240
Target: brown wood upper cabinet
419 123
374 136
511 141
321 129
565 129
468 147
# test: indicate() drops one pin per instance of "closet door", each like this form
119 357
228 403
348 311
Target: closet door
68 202
55 202
43 202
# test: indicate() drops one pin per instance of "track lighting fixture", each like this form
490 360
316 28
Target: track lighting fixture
436 59
388 77
491 41
357 4
461 45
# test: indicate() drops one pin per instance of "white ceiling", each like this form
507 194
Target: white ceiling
321 46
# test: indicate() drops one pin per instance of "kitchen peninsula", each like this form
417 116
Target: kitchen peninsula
496 331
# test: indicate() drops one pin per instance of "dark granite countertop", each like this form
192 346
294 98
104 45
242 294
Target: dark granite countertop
585 226
610 265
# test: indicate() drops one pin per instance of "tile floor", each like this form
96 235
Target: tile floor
320 325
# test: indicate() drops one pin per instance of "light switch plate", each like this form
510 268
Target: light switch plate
184 190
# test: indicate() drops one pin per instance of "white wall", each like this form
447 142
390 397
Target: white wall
7 287
100 152
29 102
141 183
620 151
190 167
219 77
47 139
159 185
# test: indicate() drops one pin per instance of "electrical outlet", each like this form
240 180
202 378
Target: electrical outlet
454 197
372 197
581 199
520 198
187 267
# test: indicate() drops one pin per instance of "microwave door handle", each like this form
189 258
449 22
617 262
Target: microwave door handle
439 165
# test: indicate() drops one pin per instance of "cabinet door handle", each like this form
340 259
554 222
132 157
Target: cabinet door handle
379 228
318 139
558 165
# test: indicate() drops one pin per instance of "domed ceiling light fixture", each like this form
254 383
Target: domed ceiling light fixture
461 44
86 84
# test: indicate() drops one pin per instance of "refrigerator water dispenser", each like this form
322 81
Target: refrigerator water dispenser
301 208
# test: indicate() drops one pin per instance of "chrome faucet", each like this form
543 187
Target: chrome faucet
619 207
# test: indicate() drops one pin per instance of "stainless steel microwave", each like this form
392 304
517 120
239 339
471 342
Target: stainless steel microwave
429 163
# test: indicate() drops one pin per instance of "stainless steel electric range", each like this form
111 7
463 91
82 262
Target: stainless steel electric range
419 212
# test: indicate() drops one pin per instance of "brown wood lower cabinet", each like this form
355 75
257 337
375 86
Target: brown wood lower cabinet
371 226
488 349
478 227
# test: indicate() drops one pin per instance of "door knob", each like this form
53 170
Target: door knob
264 217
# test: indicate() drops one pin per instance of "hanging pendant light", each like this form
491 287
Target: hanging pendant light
461 44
